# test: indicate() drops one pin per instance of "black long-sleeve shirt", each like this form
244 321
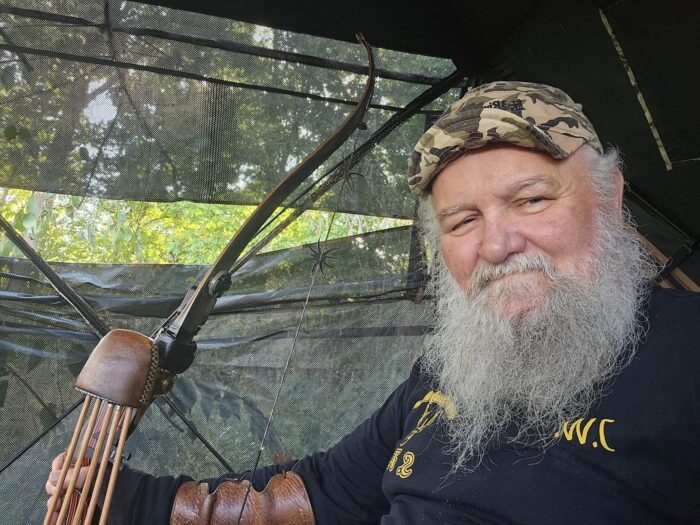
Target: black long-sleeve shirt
634 458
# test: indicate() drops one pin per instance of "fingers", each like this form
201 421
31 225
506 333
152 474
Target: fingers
54 517
56 466
50 487
53 480
58 461
55 475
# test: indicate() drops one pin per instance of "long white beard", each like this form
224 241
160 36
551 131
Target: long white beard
525 374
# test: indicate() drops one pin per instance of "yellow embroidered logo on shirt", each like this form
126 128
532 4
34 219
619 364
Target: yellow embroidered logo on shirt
440 400
394 459
581 431
405 469
434 404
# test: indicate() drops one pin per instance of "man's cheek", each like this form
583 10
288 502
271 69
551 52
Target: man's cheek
460 263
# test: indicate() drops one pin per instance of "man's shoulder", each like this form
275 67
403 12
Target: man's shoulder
416 386
674 294
672 306
673 321
420 377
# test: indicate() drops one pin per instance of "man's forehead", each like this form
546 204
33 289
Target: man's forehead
510 188
504 172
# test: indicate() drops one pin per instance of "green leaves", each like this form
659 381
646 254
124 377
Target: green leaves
84 153
32 214
24 134
10 132
72 229
13 132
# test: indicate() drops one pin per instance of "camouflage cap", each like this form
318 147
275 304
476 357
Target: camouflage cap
524 114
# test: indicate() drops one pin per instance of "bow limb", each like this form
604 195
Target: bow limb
147 365
174 339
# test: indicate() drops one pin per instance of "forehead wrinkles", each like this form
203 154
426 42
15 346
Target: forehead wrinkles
500 171
536 182
544 181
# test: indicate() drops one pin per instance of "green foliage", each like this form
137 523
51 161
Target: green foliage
10 132
70 229
84 153
75 128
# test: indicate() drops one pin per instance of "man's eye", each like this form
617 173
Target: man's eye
532 201
462 223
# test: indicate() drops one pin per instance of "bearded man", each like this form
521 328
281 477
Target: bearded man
559 384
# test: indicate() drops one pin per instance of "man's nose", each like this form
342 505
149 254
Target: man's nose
500 239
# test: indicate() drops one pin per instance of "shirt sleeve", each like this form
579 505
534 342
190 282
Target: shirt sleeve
344 483
141 499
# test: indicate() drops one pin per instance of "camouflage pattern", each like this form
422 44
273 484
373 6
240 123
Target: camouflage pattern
524 114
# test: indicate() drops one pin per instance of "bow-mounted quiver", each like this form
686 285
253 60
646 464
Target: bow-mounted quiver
126 370
119 380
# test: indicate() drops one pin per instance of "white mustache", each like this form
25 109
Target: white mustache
485 272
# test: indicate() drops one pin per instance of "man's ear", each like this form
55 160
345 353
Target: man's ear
619 190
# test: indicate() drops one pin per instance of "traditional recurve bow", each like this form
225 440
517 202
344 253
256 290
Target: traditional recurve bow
127 370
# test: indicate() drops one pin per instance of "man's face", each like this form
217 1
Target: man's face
501 201
536 292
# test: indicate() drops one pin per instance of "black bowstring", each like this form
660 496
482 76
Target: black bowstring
319 256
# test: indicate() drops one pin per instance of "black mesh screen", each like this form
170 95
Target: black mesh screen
144 103
105 101
360 333
113 101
